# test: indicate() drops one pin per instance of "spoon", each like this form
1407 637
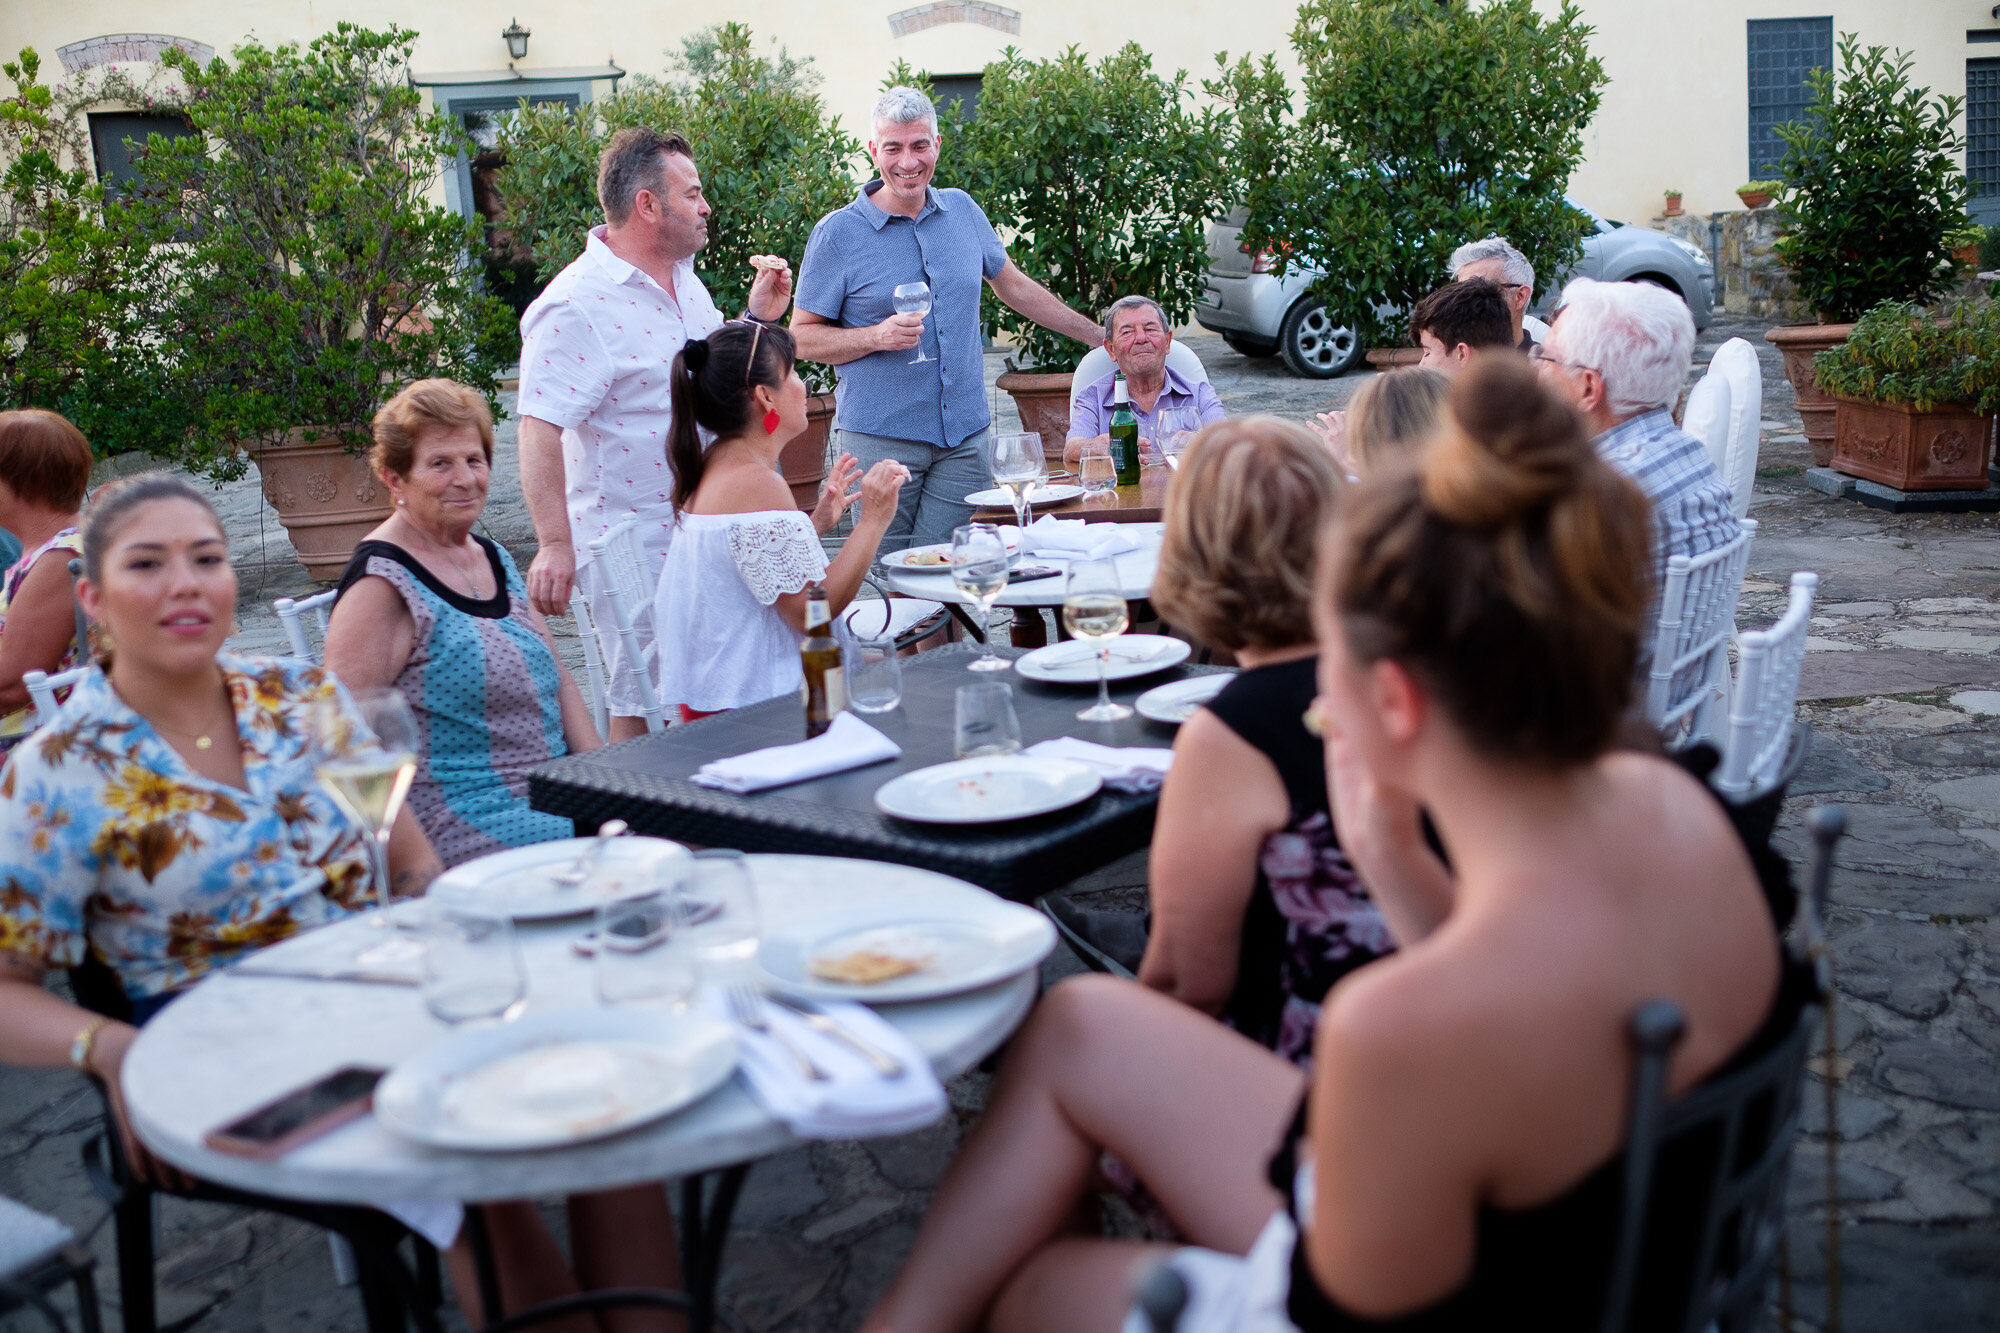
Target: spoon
580 869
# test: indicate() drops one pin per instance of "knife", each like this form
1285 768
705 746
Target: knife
884 1062
329 974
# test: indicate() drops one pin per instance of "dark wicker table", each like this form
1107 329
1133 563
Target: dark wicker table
645 783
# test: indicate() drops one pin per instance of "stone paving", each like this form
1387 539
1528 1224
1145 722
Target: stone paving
1903 690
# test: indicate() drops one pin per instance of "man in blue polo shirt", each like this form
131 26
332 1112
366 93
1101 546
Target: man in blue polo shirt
930 415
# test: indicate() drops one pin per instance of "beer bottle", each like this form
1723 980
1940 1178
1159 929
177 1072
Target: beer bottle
819 655
1124 432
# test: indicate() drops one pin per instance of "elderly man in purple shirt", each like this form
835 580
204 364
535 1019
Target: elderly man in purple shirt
1137 338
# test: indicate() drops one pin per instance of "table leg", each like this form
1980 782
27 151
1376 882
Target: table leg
704 1231
978 632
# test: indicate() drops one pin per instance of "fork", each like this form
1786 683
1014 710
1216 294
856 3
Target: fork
885 1064
746 1005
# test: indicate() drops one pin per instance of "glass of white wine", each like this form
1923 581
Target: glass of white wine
1094 609
1019 466
1173 430
979 568
365 757
914 298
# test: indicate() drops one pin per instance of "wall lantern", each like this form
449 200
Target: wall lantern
517 40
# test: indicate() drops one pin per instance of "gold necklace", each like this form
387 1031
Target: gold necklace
451 553
201 741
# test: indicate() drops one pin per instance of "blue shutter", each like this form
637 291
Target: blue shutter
1782 53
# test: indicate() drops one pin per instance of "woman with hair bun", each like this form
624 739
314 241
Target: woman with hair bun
1452 1161
732 598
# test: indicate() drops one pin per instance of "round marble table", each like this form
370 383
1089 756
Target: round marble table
1135 572
235 1042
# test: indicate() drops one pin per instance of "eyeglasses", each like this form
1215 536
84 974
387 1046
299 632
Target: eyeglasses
751 364
1541 357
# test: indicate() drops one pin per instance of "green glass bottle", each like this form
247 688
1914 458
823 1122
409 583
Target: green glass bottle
1124 432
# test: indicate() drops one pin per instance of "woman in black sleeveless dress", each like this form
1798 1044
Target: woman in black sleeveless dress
1255 909
1480 617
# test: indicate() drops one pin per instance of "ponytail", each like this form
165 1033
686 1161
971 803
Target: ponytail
709 386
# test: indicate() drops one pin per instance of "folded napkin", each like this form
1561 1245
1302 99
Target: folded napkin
1049 535
848 743
1134 768
856 1102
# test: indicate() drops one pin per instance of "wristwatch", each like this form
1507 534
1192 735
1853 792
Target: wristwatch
79 1048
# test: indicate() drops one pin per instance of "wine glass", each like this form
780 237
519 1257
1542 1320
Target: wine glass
1019 466
472 965
715 912
1094 609
366 756
1173 429
979 568
641 958
914 298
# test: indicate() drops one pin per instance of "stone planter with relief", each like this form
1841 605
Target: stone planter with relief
1800 343
1043 404
804 460
1943 449
327 498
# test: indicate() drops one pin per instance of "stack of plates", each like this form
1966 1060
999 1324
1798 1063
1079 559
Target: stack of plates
520 881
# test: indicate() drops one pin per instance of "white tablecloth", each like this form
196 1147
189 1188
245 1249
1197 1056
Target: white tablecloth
234 1043
1135 570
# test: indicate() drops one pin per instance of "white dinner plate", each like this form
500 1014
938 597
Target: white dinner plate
555 1079
1044 495
923 559
1175 702
961 944
985 791
519 881
1075 662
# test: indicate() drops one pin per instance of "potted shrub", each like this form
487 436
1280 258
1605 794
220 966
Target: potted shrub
1103 179
1673 209
772 165
1872 196
306 273
1375 188
1756 194
1915 395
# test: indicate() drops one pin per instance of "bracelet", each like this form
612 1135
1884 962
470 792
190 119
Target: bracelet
749 318
81 1046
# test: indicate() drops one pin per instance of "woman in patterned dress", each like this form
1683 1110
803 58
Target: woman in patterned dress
1256 911
732 597
44 470
431 608
169 822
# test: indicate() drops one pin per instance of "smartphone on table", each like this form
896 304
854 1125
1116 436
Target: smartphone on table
299 1116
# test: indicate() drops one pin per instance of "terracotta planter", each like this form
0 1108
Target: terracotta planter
1753 198
1673 206
1388 358
804 460
1967 255
1940 450
1043 403
1800 343
327 498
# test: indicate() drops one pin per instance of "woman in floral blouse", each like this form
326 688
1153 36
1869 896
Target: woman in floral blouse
168 823
44 472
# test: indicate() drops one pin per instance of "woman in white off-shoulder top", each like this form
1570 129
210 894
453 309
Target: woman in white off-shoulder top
732 598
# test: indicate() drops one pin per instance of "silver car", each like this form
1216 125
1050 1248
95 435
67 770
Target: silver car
1259 313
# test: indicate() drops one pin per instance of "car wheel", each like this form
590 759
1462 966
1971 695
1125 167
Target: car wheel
1249 346
1313 345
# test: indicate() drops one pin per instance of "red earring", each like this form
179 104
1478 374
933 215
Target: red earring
771 422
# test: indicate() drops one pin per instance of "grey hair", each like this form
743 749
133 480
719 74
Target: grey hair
1639 337
904 105
1129 303
1514 265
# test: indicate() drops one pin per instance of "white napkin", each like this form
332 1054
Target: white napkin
437 1223
856 1102
1049 535
848 743
1134 768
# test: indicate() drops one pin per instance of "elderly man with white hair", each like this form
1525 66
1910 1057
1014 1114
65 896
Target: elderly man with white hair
1496 260
1619 351
927 412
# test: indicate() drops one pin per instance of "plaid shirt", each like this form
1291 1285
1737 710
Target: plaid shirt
1692 513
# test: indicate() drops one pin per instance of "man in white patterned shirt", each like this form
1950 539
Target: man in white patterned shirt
1619 351
594 405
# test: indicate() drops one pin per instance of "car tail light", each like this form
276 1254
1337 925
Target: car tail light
1263 261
